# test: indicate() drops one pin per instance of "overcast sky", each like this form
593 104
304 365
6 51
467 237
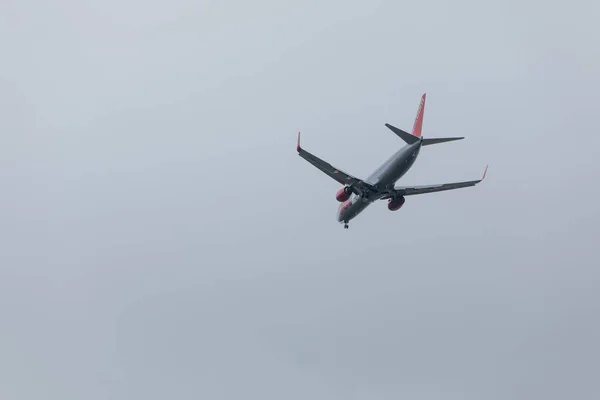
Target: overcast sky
160 237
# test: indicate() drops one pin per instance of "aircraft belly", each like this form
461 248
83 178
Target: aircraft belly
394 172
397 169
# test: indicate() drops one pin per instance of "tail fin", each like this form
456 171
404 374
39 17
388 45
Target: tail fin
418 125
415 136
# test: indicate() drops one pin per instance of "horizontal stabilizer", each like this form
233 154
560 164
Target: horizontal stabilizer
407 137
427 142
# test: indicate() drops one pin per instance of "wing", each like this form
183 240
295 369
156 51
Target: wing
411 190
335 173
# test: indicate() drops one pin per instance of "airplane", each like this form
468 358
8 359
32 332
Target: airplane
357 194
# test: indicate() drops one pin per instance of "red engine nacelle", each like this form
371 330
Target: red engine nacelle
343 194
395 204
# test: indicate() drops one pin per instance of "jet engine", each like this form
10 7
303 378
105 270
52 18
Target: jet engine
395 204
343 194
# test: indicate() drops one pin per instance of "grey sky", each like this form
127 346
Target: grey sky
162 239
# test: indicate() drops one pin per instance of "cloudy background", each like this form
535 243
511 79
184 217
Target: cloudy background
160 237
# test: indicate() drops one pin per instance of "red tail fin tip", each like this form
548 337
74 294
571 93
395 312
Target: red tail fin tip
418 126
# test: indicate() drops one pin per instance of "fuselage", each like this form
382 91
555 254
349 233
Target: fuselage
384 177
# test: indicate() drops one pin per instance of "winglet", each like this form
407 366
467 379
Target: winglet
299 148
485 172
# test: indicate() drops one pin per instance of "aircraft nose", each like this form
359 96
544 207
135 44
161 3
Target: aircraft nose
339 214
341 209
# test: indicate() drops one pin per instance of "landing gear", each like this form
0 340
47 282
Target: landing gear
345 225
